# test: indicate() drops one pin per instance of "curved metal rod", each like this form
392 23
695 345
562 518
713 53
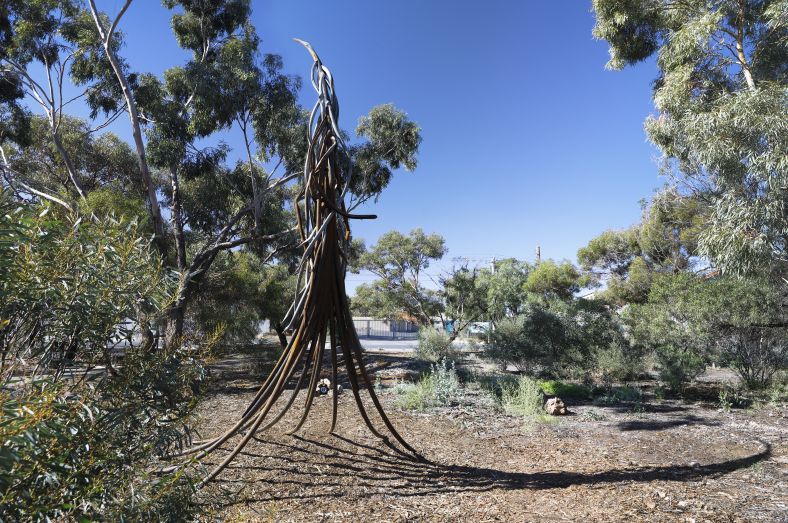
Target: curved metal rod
320 309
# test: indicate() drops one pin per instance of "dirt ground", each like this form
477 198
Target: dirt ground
653 461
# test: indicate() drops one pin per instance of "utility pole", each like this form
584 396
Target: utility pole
538 255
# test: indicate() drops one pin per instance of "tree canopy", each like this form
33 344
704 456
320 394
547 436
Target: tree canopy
721 103
400 261
216 198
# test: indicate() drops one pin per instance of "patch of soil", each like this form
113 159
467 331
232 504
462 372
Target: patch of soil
670 461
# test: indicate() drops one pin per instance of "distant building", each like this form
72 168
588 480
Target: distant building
369 327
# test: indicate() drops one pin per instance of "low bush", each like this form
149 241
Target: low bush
434 345
493 384
530 342
617 363
619 395
730 398
678 366
440 388
413 396
778 392
523 398
82 452
79 445
565 390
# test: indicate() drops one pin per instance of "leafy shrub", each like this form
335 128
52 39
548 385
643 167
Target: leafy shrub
494 384
561 338
778 391
617 363
413 396
740 321
446 384
726 399
595 334
778 394
81 452
524 398
678 366
620 395
530 341
73 287
434 345
80 449
565 390
440 388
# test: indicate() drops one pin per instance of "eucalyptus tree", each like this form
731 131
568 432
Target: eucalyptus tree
505 286
464 294
45 45
721 103
215 203
735 321
664 241
98 162
226 83
399 261
551 280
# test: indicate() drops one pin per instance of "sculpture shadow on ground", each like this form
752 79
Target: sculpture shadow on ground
305 468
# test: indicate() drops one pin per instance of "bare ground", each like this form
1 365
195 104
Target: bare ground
666 461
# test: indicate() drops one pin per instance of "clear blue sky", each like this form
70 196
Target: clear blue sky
527 139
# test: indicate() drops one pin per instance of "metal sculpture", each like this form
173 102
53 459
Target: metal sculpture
320 311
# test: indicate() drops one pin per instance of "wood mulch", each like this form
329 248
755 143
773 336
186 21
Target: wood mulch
667 461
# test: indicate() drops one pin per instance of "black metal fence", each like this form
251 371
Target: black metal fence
392 329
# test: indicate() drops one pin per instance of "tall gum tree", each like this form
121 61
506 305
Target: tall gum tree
45 45
214 206
400 261
721 122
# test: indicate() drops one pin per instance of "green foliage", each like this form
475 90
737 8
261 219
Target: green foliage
440 388
577 339
464 294
565 390
235 296
505 287
778 392
103 162
617 363
524 398
106 203
552 280
275 293
434 345
69 283
634 288
729 398
665 241
611 251
216 202
391 142
494 384
740 321
678 366
530 342
82 452
593 330
399 262
619 395
79 448
669 230
721 123
414 396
